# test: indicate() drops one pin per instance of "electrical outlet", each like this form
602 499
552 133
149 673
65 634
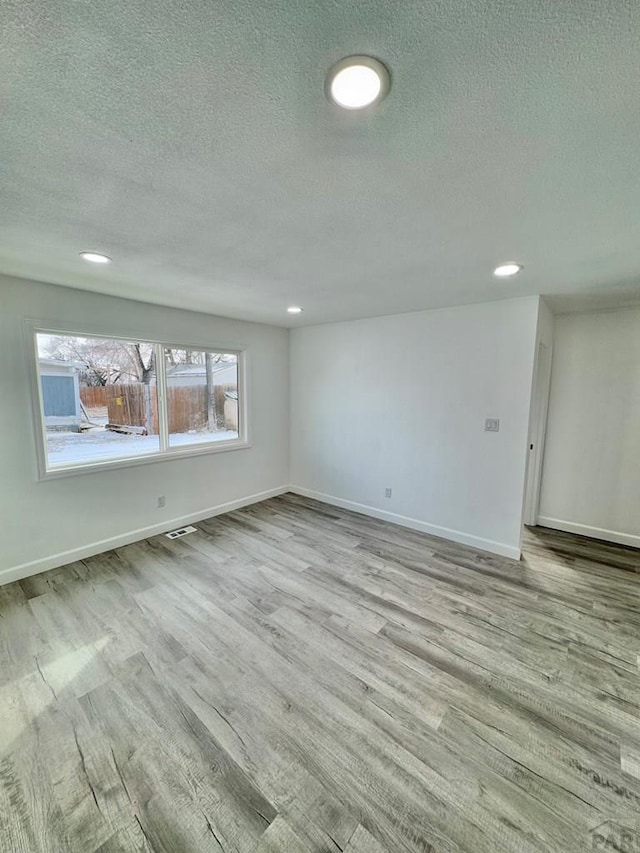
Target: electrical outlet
161 501
492 425
387 493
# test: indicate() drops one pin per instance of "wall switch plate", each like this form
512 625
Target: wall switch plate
161 501
492 425
387 493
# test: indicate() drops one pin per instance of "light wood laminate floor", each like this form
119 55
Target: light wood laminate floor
294 677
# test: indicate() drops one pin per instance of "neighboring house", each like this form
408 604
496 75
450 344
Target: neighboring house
224 373
60 394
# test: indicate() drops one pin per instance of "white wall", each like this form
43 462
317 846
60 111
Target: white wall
47 523
591 472
400 401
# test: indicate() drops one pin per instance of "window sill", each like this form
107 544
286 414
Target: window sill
130 462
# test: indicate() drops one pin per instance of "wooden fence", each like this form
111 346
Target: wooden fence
136 406
132 405
93 397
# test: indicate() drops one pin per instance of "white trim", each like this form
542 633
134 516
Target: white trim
593 532
540 390
414 523
161 398
37 406
152 456
35 567
25 570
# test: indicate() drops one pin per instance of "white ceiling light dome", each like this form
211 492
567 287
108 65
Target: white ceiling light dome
357 82
95 257
507 269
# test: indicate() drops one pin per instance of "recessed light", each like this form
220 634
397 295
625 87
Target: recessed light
507 270
95 258
294 309
357 82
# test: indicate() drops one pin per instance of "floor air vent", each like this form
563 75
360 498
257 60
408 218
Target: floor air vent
181 531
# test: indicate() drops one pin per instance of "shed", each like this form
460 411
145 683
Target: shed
60 385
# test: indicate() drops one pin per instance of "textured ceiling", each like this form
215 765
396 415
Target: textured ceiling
192 142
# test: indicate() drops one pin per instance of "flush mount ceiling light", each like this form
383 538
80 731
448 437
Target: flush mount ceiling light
294 309
507 270
357 82
95 258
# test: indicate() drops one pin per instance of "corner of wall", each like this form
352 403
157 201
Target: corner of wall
546 320
531 486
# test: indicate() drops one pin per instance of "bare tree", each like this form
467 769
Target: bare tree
146 371
105 361
212 416
94 354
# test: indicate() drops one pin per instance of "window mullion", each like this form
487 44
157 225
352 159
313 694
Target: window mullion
161 381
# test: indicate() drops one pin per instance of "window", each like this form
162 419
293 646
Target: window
202 396
115 400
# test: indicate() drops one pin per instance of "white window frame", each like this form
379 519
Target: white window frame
165 453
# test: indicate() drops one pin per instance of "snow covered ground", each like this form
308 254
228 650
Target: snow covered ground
96 445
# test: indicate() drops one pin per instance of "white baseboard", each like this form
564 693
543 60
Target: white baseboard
25 570
593 532
414 523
